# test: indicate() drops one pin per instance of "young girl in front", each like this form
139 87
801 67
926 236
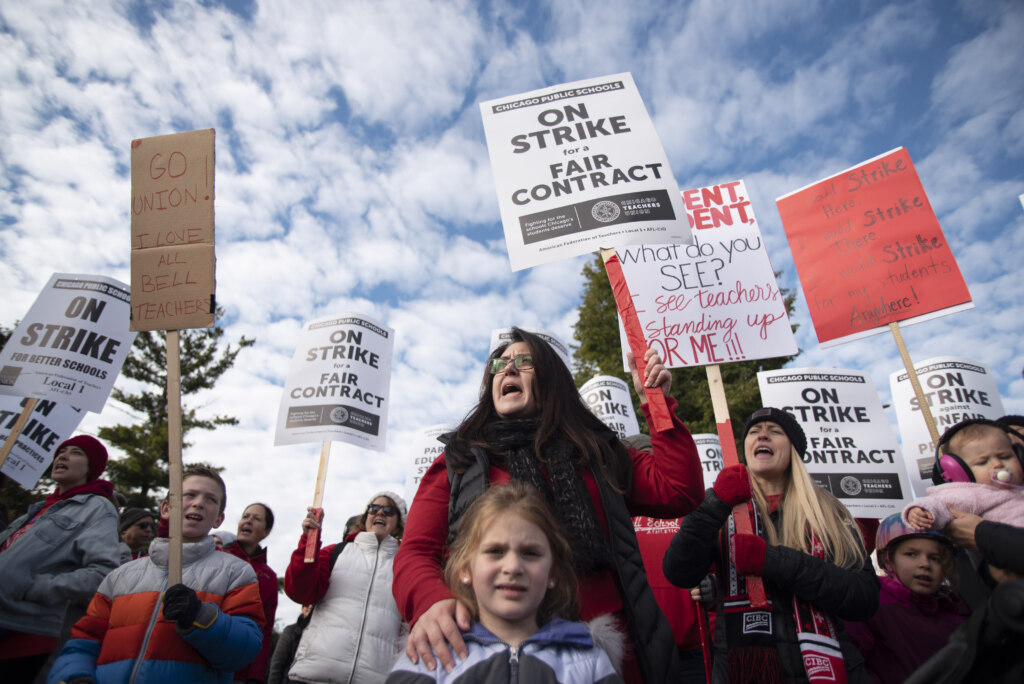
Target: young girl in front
510 564
917 612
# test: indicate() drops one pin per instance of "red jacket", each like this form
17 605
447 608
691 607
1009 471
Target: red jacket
267 580
666 484
654 537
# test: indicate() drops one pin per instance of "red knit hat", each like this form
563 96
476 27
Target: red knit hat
94 451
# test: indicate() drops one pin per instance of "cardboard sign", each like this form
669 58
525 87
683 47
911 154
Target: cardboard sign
337 387
426 449
609 399
955 389
50 424
709 449
715 300
71 344
851 450
173 281
500 336
870 251
579 166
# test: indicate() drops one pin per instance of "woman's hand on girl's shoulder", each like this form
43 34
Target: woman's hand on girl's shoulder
437 632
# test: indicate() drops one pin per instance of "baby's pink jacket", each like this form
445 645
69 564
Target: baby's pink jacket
998 503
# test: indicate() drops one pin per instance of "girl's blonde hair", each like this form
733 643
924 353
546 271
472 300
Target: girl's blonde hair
516 498
808 507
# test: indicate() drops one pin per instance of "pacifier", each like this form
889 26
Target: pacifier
1002 477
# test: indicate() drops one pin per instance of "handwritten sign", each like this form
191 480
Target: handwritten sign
851 450
425 451
173 281
715 300
50 424
579 166
608 398
338 384
955 389
71 344
870 251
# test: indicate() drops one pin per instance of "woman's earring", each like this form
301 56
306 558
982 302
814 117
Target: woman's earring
464 579
551 584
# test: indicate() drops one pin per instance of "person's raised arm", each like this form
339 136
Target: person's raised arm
306 583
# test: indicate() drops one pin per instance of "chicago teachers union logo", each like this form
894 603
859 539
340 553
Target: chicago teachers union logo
605 211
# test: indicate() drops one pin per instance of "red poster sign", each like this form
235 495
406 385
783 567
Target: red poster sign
869 250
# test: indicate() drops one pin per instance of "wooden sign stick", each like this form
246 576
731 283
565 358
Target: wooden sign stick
318 501
741 512
19 425
174 458
915 382
660 416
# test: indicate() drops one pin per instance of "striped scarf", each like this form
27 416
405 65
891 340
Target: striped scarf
750 633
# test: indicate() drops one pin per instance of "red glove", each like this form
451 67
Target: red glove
748 554
733 485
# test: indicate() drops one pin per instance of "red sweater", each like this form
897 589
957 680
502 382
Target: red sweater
267 580
666 484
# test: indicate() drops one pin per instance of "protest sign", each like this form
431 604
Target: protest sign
709 449
49 424
851 450
338 384
426 448
173 281
500 336
715 300
578 166
870 251
955 389
71 344
608 398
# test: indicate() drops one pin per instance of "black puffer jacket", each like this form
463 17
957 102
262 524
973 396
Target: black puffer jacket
842 594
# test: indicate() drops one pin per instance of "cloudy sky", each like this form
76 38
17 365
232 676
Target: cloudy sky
352 173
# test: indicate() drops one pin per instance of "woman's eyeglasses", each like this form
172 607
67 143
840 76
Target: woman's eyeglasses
374 509
521 362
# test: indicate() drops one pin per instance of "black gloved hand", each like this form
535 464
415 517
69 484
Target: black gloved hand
181 605
81 680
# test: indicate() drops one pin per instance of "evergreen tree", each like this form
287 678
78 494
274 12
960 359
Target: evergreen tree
598 352
142 475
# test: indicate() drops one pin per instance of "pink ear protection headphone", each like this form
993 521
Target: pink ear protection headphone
950 467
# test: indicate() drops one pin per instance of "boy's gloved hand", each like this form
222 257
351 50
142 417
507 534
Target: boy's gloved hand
748 554
181 605
733 485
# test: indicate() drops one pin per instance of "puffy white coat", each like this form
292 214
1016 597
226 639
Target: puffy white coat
354 636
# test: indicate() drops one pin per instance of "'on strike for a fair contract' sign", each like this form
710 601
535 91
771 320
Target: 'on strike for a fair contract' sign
172 231
870 251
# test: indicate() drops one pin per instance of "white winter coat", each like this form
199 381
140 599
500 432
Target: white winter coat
354 636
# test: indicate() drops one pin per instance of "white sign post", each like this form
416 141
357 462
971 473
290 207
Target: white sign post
709 448
955 389
579 166
426 449
851 450
337 388
608 398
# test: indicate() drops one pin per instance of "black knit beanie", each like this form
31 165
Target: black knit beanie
784 420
